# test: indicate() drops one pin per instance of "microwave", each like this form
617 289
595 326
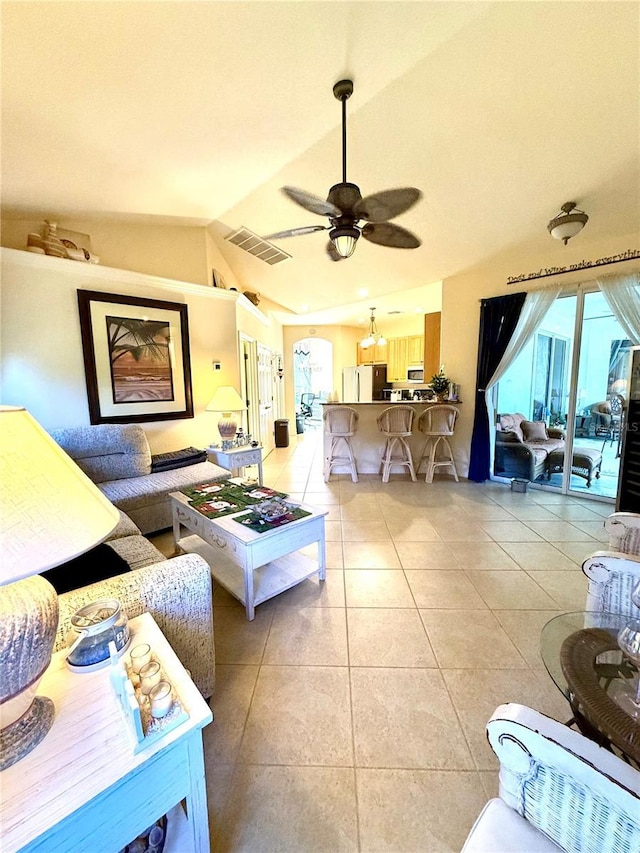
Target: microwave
415 373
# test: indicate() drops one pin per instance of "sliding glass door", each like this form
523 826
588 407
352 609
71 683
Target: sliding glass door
600 399
572 376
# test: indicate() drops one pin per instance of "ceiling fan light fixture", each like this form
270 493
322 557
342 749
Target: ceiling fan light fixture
344 238
568 223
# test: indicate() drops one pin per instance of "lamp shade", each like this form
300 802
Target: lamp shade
50 511
226 399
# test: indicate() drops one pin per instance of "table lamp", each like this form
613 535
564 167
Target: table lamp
226 401
50 512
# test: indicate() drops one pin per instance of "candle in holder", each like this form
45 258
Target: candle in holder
149 676
160 699
140 655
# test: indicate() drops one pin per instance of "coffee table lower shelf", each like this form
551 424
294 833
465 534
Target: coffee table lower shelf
268 581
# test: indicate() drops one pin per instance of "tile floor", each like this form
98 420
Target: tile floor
350 716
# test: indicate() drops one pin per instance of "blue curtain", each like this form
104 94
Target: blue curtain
498 320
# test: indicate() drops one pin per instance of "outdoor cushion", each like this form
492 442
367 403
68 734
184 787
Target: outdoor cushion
534 430
500 829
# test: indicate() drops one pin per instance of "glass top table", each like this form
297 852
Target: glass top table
581 654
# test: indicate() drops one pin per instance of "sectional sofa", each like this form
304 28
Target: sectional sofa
118 459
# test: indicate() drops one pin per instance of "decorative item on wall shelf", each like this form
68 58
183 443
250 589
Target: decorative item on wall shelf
136 358
252 297
218 280
61 243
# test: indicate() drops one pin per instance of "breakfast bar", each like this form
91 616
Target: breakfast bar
368 442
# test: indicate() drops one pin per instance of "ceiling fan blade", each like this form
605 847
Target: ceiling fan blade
388 234
297 232
312 203
332 253
386 204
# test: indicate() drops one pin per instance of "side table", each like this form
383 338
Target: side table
581 654
236 459
84 788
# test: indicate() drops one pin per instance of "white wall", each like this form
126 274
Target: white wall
42 363
173 251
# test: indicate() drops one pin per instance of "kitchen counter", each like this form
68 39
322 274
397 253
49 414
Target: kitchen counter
368 442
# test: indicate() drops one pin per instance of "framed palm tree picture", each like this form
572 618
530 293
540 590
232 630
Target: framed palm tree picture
136 358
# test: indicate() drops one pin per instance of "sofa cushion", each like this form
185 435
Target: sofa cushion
534 430
500 829
136 551
107 451
125 527
145 499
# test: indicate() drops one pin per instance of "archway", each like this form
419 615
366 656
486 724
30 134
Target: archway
312 379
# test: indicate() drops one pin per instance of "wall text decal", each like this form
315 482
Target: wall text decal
628 255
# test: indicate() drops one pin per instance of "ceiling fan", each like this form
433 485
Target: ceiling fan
345 206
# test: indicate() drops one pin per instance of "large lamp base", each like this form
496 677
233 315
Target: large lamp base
227 426
19 738
28 623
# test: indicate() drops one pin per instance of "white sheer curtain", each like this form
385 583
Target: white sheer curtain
533 311
622 293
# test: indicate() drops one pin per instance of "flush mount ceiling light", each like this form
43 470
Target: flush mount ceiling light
568 223
373 336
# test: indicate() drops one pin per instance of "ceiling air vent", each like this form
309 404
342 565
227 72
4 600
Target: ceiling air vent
262 249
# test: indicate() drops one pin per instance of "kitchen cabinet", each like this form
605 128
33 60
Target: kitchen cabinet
431 345
376 354
397 360
415 349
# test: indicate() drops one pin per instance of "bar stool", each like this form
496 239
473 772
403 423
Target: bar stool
340 422
396 422
438 424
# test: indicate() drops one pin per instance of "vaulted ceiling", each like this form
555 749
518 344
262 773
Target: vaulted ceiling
198 112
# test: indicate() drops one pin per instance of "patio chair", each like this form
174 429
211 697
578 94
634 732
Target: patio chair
557 791
624 532
306 405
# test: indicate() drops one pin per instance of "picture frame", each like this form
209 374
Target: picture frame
136 358
218 280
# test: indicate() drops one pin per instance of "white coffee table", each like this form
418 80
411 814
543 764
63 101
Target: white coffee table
252 566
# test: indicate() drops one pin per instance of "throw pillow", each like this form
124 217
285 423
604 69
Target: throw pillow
95 565
177 459
534 430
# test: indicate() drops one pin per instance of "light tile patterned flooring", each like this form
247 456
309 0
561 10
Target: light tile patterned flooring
350 716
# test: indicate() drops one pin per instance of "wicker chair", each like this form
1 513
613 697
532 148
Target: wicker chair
438 424
396 423
340 423
558 791
624 532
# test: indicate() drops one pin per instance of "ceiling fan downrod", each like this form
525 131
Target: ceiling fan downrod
342 91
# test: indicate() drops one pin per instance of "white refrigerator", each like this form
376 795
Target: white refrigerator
364 383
